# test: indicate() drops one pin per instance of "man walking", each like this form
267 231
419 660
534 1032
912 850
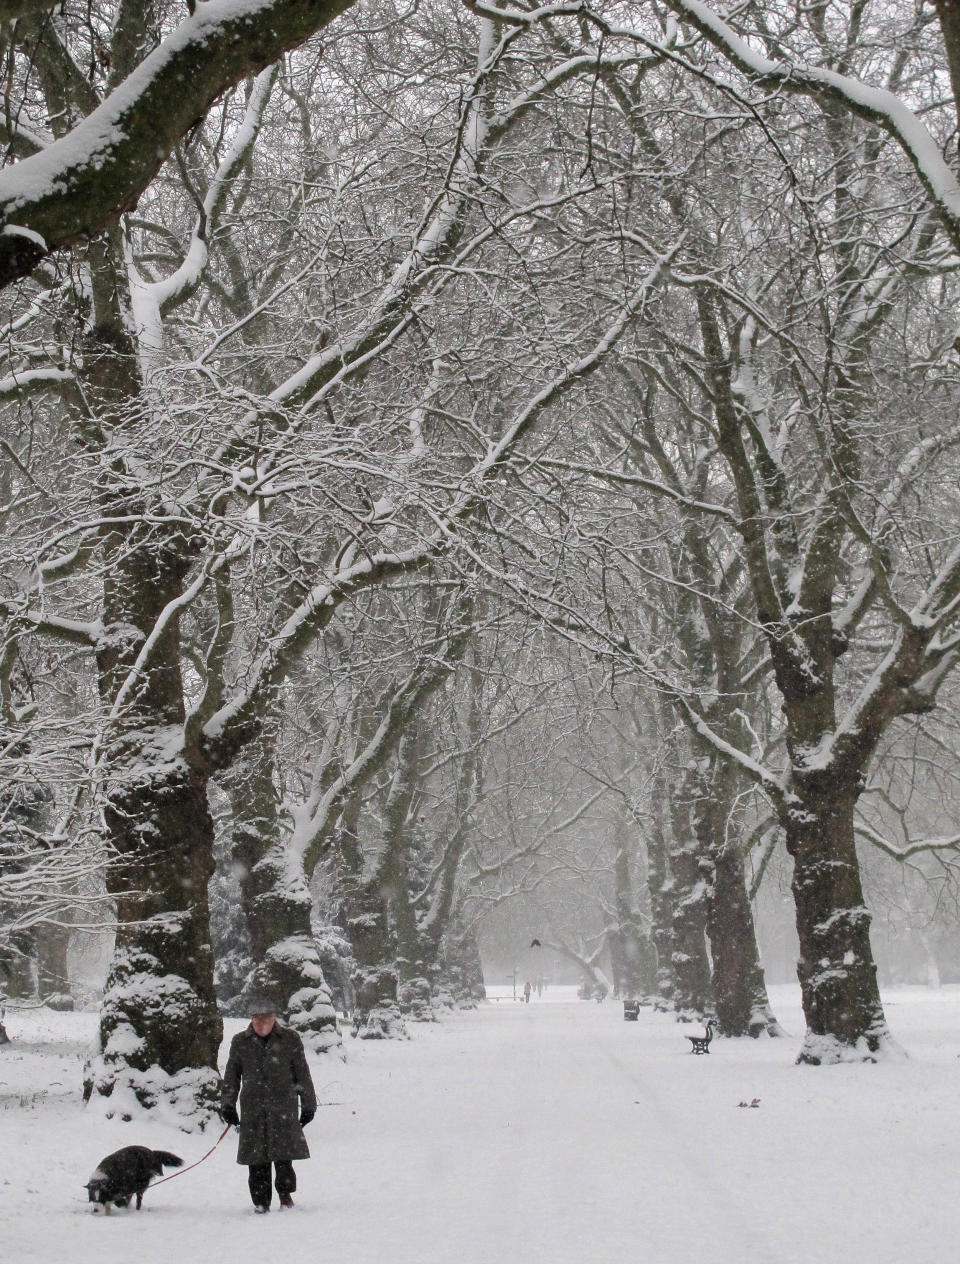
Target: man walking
268 1071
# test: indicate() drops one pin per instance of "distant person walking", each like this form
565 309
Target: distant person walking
267 1070
526 992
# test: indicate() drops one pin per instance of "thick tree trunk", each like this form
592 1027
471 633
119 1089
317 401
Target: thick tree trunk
838 977
377 1014
22 806
277 904
795 607
739 988
232 958
660 885
460 969
948 11
339 968
690 965
160 1029
415 987
632 955
436 926
284 947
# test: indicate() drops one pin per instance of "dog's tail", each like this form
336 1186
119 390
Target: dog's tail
166 1159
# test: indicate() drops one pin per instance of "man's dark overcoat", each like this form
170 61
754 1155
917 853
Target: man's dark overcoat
272 1079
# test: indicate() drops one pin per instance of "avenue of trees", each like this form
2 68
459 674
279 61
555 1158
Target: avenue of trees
463 456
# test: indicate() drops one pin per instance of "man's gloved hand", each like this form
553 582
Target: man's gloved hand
306 1116
230 1116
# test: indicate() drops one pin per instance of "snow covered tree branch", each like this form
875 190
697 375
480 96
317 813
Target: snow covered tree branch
77 186
878 105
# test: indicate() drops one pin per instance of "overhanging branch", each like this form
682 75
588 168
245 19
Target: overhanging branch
77 186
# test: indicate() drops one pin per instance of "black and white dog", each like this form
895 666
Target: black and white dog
127 1172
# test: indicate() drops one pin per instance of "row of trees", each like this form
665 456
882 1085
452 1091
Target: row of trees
463 344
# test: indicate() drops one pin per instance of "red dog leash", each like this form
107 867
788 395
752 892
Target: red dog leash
183 1171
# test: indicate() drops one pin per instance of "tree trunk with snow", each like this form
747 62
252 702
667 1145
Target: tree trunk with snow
805 529
739 988
439 900
459 978
377 1015
160 1029
661 888
632 956
838 977
393 876
690 965
794 587
276 901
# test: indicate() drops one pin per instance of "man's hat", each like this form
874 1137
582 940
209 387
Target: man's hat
263 996
261 1003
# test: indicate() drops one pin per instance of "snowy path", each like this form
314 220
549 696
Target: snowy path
551 1133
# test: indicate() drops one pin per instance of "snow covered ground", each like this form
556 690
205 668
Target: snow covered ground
518 1134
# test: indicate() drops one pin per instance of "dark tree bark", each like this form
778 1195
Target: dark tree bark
632 955
460 975
377 1015
10 10
660 885
399 826
948 12
160 1029
840 993
838 976
739 988
690 965
793 581
18 974
438 901
276 900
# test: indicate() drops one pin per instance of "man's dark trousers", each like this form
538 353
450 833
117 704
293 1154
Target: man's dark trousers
286 1181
